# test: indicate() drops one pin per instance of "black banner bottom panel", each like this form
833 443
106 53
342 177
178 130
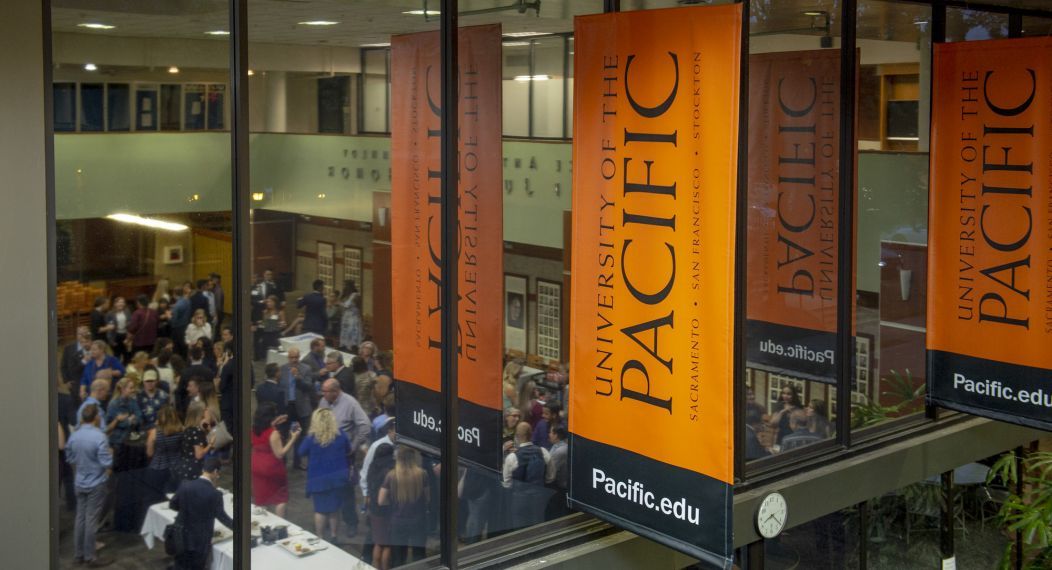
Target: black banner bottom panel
419 417
1000 390
684 510
792 351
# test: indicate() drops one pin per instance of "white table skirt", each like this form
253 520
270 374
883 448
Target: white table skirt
280 357
264 557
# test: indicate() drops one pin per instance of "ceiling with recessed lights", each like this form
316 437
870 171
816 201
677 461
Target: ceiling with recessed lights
353 23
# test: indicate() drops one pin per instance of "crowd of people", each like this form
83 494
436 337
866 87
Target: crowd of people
790 426
146 402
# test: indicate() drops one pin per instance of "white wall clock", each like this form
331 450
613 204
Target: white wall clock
772 515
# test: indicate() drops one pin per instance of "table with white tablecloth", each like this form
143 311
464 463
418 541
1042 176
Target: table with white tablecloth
264 557
280 357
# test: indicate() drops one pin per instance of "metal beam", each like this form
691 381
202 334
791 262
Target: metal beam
448 34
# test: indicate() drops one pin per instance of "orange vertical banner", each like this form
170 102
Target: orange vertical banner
990 230
416 239
655 156
793 235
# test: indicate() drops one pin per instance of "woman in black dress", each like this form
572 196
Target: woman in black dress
196 442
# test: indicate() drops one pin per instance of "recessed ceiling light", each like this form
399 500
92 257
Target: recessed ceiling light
96 26
251 73
532 77
257 196
322 195
525 34
382 44
218 33
515 44
173 69
318 23
421 13
815 13
90 67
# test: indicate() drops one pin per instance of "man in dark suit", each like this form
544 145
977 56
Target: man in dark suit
334 368
297 388
269 287
199 371
74 357
199 300
199 505
314 320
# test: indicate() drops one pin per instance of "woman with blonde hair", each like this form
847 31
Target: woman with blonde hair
206 394
196 442
510 379
326 448
138 363
123 414
198 328
163 443
161 293
270 325
406 490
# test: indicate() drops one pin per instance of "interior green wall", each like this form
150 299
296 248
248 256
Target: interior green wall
320 175
157 173
892 206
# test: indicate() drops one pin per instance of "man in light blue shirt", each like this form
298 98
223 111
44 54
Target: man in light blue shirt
100 392
88 450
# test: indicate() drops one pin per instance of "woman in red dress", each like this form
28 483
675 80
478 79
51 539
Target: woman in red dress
270 481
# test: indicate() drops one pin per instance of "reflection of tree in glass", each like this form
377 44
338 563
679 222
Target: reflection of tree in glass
971 25
903 397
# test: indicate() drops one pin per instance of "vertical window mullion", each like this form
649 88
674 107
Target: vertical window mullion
448 34
845 355
938 36
242 255
740 249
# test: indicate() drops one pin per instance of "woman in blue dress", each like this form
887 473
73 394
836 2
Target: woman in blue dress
351 324
328 471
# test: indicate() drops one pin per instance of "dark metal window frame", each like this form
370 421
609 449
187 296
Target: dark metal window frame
576 528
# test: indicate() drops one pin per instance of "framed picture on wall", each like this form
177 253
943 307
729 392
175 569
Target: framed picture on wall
515 312
549 319
173 254
352 266
326 265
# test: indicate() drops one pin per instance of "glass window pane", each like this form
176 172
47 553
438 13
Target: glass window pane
322 292
829 542
1033 26
171 109
216 107
375 87
516 92
92 107
146 108
521 397
65 106
118 107
548 87
963 25
193 107
892 206
141 220
791 301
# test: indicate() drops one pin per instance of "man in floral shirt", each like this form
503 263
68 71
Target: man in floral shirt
151 397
